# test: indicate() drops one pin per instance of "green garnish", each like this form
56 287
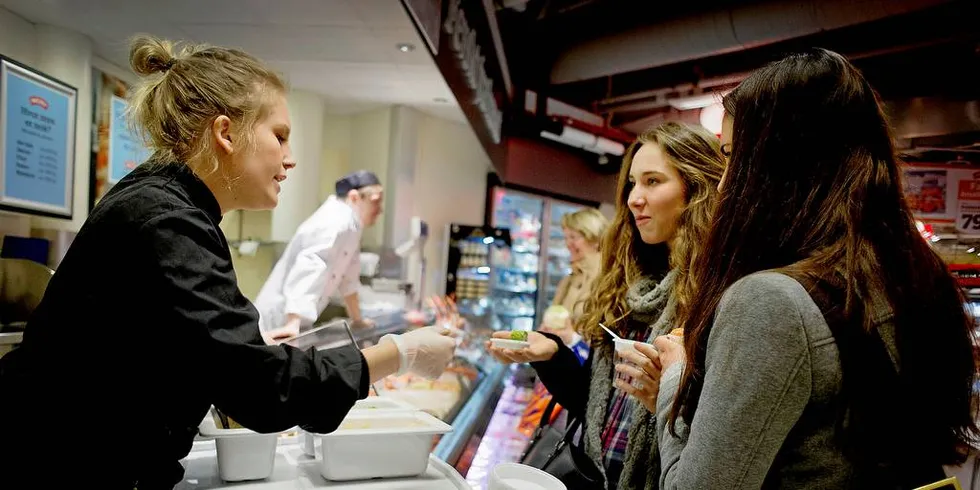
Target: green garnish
518 335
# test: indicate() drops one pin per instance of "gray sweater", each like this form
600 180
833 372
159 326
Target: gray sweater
766 416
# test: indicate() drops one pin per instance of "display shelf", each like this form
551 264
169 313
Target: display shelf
502 442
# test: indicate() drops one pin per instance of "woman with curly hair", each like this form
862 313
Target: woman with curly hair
667 190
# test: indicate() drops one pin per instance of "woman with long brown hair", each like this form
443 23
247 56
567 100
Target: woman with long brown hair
666 192
827 346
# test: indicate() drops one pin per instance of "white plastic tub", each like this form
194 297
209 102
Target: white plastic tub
369 405
242 454
374 404
380 445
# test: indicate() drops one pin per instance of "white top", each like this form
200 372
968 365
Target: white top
322 259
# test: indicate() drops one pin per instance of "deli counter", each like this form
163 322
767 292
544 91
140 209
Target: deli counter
464 397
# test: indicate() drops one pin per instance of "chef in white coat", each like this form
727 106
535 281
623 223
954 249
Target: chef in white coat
322 259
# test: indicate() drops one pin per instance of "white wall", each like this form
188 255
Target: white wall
450 187
335 162
18 39
369 144
300 194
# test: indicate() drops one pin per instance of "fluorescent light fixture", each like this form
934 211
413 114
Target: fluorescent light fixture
696 101
587 141
405 47
608 146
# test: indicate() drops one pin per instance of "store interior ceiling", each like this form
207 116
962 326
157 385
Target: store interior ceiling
358 54
636 63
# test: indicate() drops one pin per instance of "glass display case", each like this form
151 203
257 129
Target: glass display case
474 262
516 285
558 261
539 259
463 396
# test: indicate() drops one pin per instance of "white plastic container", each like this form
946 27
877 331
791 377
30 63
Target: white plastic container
513 476
369 405
380 445
242 454
374 404
509 344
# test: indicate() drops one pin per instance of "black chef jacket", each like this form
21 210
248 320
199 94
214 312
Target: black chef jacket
142 329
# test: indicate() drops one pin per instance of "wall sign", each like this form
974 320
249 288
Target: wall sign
944 193
126 151
472 62
37 141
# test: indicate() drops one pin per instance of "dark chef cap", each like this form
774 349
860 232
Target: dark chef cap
354 181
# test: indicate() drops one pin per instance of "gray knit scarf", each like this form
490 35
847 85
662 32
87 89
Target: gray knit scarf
650 302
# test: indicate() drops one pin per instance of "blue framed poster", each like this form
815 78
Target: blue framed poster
126 151
37 141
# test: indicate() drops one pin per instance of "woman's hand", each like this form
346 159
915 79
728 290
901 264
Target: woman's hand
671 351
646 374
540 348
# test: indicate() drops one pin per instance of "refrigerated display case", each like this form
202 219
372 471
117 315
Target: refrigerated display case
473 263
464 396
559 263
515 286
539 259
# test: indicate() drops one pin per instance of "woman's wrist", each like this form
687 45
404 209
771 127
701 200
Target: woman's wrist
382 359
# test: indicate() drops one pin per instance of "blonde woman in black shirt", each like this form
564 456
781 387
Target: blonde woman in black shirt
143 326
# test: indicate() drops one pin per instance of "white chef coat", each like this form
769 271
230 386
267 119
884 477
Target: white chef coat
323 258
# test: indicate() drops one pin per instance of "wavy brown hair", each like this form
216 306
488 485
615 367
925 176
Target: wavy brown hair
696 155
814 185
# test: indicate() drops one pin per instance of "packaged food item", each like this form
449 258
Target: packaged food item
518 335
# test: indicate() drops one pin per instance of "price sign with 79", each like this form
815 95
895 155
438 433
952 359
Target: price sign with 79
970 221
969 217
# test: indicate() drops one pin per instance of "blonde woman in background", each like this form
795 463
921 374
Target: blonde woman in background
667 190
583 231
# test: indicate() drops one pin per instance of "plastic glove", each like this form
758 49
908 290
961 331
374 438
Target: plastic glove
425 351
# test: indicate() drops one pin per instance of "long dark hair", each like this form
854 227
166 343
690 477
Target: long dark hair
814 183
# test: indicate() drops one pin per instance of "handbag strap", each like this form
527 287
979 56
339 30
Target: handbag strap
546 415
573 425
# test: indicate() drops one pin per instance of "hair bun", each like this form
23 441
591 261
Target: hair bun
148 55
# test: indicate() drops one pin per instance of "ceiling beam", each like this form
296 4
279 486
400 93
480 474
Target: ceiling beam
719 32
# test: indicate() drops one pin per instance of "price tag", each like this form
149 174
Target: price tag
968 210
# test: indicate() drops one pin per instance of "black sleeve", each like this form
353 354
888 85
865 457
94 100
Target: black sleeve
265 388
566 378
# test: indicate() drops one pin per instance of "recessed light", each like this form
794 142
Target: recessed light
440 100
405 47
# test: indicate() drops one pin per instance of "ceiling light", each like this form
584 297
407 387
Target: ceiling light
405 47
696 101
